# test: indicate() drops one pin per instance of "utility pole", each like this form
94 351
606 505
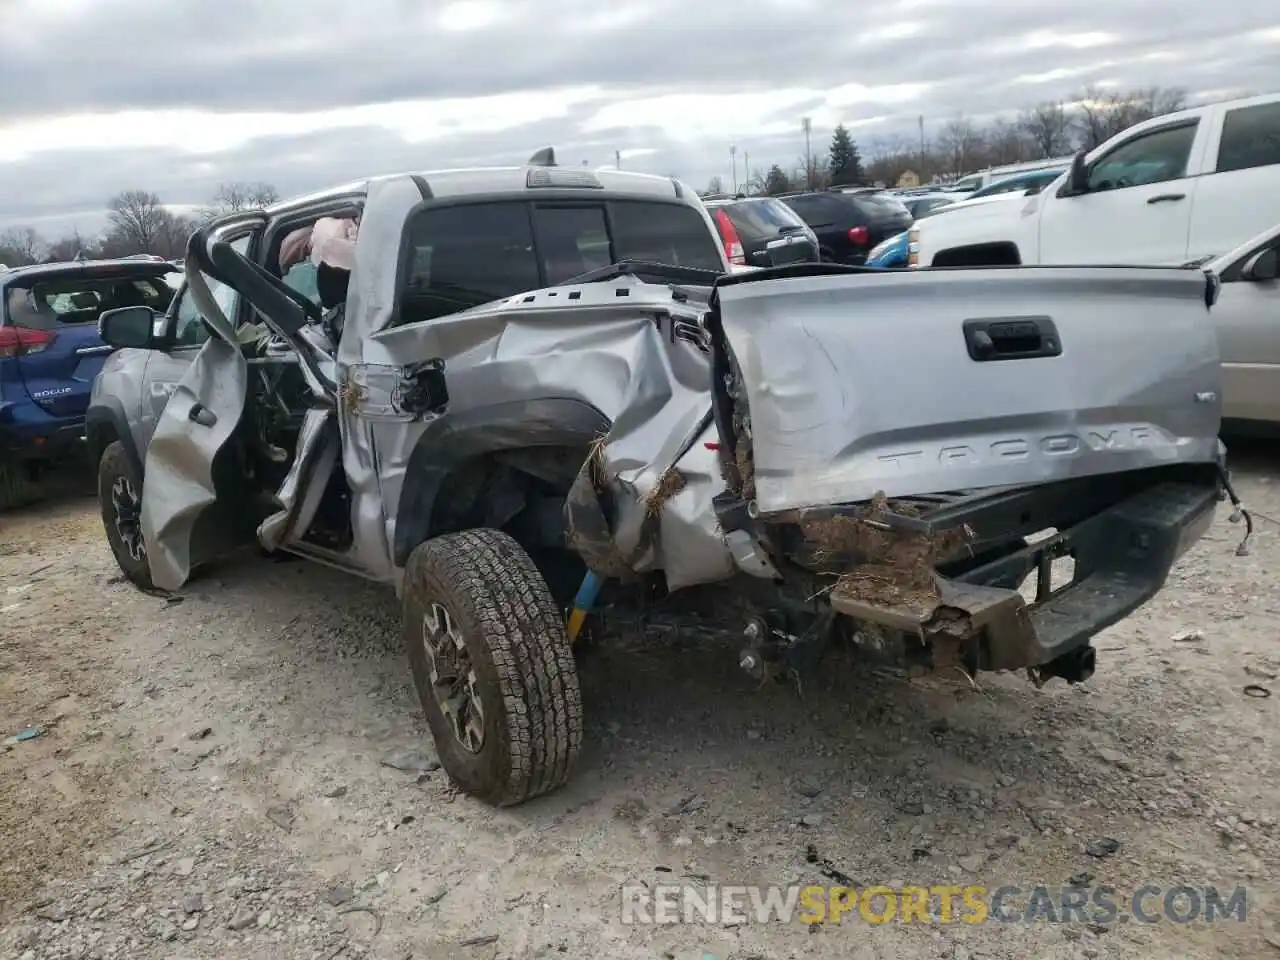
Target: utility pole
746 170
617 159
808 154
733 158
921 119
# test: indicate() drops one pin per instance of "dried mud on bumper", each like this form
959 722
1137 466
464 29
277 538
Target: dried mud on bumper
979 617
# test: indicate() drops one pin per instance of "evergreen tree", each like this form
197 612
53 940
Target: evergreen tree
776 181
844 163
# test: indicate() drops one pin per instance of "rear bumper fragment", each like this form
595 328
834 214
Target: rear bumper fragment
1122 557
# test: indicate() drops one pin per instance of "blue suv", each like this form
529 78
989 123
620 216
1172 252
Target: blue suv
50 352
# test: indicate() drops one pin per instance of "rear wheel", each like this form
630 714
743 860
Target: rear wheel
120 498
492 665
17 486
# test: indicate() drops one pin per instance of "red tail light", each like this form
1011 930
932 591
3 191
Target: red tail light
20 341
729 234
859 236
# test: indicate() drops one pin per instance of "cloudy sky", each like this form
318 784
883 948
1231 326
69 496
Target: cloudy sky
175 96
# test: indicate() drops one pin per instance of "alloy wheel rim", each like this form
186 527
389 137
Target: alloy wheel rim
126 510
452 676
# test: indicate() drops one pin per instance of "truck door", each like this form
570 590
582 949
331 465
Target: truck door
1137 209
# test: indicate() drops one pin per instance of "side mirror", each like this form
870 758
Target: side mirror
128 327
1078 182
1263 266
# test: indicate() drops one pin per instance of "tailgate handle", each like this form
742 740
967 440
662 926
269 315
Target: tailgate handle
1011 338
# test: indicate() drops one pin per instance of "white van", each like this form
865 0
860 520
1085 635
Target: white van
1185 186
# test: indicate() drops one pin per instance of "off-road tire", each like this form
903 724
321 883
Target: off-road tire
524 667
17 489
115 465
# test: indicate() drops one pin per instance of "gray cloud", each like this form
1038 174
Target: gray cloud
244 55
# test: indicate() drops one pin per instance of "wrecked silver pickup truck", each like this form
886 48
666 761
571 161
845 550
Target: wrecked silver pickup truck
888 458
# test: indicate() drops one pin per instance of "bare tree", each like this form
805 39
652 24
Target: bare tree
1006 143
70 247
1045 125
1101 115
20 246
138 221
714 185
1093 112
172 241
815 172
960 142
237 195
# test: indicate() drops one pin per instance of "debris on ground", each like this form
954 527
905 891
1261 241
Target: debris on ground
1102 847
23 736
412 760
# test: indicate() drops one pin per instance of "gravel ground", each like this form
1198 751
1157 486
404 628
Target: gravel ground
246 773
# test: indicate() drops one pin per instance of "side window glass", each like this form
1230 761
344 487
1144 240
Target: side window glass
302 278
466 255
804 209
1250 138
1149 158
189 325
571 240
189 329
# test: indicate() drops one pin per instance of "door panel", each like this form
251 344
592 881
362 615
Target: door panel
1247 318
1236 198
194 425
1138 210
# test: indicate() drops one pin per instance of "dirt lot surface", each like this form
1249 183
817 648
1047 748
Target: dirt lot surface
245 773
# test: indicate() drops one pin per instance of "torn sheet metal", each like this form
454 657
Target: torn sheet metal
198 421
303 487
639 360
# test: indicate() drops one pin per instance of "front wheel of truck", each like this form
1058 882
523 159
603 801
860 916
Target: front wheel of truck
120 499
493 666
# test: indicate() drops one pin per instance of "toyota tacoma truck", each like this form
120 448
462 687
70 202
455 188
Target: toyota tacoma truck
510 393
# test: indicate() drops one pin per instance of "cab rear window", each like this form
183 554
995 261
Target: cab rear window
461 256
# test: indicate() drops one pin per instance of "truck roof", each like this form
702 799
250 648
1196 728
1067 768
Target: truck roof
509 180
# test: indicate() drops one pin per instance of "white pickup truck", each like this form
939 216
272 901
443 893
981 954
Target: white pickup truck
1186 186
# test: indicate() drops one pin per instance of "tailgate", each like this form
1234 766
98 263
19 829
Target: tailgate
912 383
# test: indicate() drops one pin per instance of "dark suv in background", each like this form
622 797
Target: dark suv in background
848 225
761 231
